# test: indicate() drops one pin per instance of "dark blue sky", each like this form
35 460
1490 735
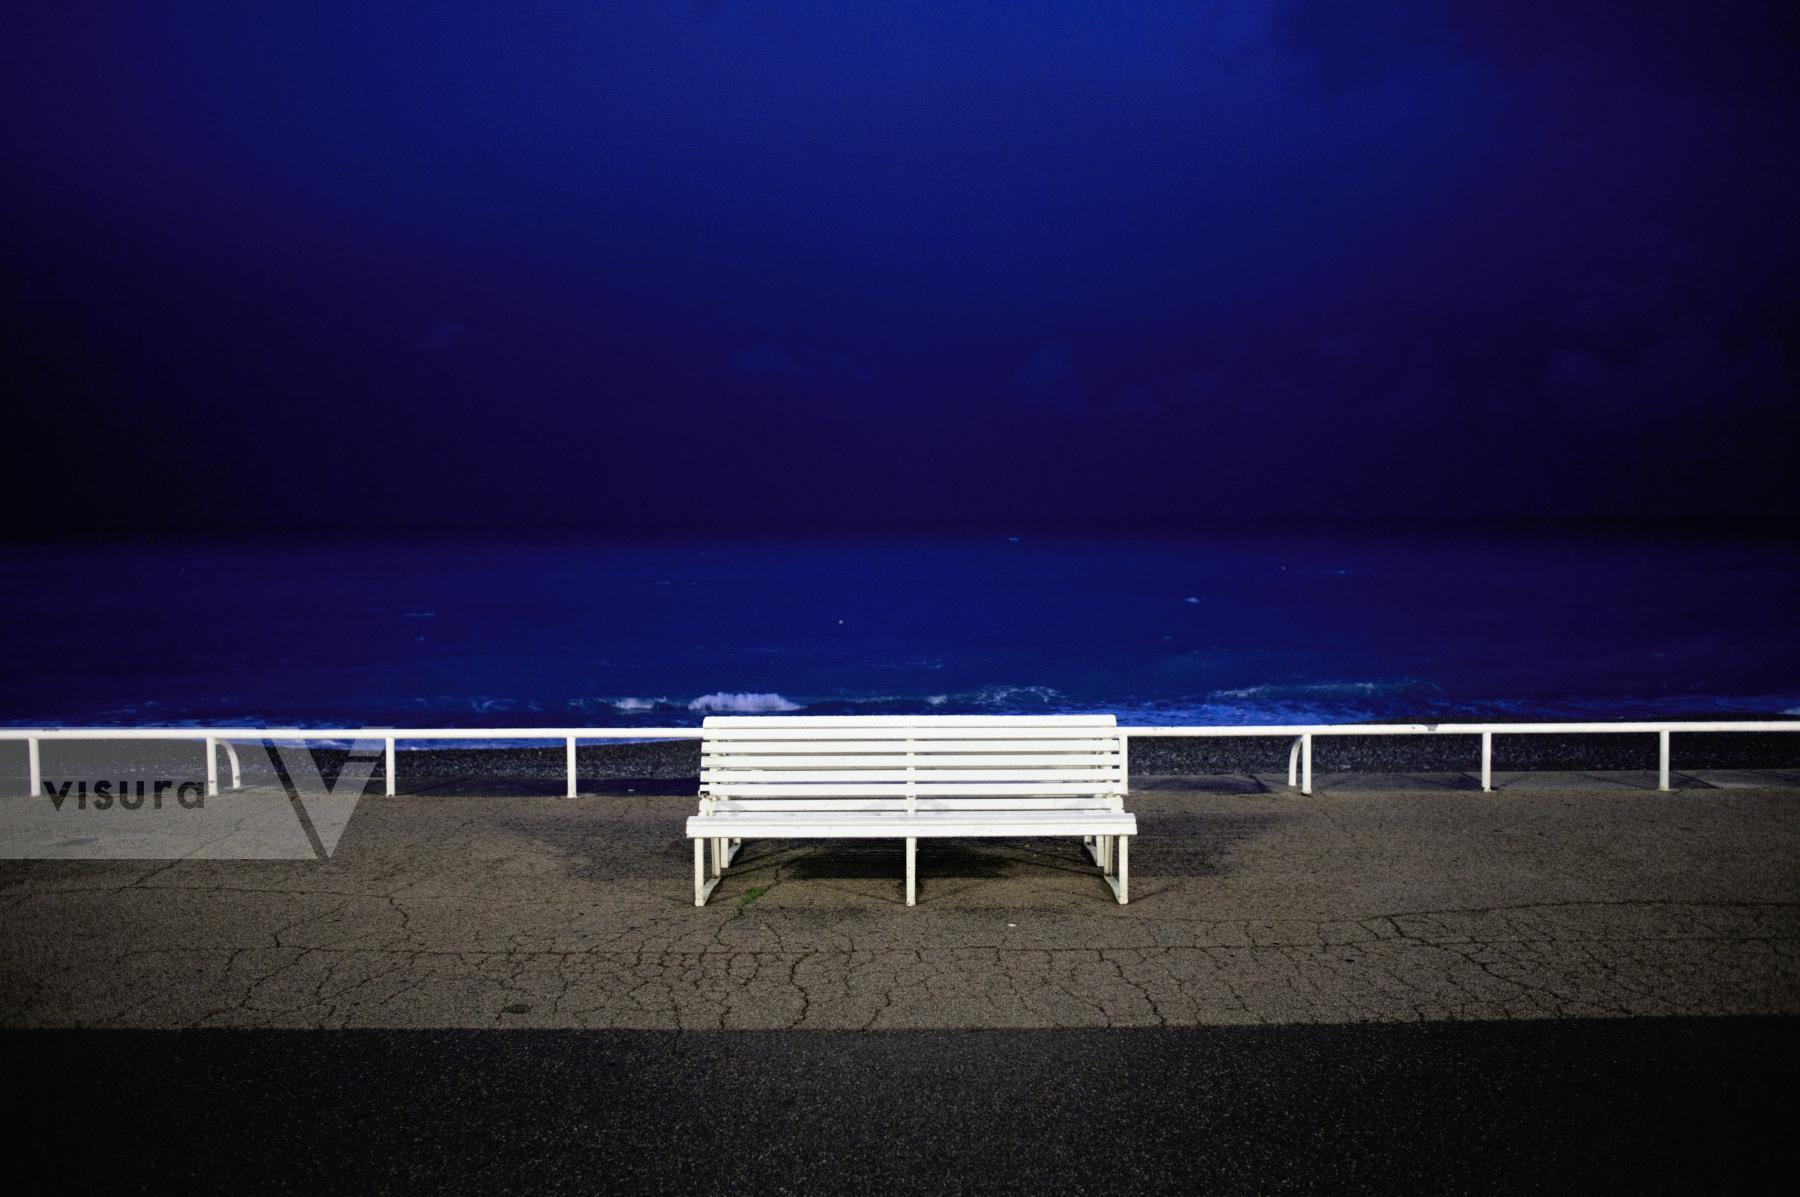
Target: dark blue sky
764 265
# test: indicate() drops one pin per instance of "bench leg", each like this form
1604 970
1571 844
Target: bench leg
1117 872
731 850
912 870
703 885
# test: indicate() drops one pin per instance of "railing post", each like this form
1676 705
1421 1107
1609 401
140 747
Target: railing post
569 754
1487 762
237 773
1306 763
1662 743
1294 763
390 767
37 768
212 767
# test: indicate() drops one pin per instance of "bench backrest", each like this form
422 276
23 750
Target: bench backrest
877 762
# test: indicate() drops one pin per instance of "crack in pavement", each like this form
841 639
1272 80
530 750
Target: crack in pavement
468 911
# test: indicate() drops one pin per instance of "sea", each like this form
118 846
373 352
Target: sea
1224 629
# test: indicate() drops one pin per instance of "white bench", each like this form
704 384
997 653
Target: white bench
911 777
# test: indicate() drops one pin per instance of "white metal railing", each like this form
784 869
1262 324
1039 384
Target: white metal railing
1299 752
217 737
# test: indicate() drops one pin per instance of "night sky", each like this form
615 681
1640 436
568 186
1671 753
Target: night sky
758 265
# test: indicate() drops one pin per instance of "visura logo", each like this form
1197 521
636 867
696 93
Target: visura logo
125 801
162 794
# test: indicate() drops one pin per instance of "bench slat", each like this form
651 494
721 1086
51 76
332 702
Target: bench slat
933 825
1034 802
934 760
891 747
858 790
825 777
927 721
897 732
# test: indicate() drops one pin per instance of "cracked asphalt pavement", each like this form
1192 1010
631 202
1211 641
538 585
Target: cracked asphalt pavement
1381 899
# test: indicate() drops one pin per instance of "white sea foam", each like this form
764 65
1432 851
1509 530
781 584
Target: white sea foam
742 703
1280 689
637 704
1007 698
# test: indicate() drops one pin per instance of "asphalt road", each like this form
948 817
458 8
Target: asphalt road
1392 899
1575 984
1638 1105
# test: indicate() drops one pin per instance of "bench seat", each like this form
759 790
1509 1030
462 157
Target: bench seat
879 825
911 778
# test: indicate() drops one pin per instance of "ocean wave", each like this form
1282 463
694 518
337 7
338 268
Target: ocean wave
638 704
742 703
1313 689
1006 699
486 705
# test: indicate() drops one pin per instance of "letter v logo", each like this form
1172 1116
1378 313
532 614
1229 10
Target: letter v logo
324 809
